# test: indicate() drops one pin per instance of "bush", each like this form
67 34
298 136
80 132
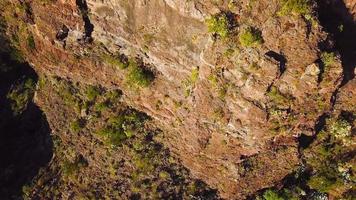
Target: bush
77 125
194 75
295 7
31 42
72 168
250 37
20 95
340 129
328 59
122 127
219 25
92 92
138 76
271 195
324 183
113 136
116 61
277 97
102 106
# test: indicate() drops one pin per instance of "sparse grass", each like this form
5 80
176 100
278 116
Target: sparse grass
219 25
250 37
295 7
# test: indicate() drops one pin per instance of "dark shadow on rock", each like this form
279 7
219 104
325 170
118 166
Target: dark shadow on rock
25 141
279 58
336 19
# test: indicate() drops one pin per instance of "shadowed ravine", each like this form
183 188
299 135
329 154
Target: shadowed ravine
25 142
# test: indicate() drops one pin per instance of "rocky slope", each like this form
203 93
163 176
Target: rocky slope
233 85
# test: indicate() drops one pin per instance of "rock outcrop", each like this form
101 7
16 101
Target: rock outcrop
219 104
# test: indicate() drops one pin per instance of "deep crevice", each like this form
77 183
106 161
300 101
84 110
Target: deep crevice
88 26
336 19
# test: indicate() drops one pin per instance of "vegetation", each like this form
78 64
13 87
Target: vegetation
278 98
328 59
70 169
121 127
295 7
138 76
340 129
194 75
77 125
271 195
189 83
92 92
328 170
120 62
20 95
250 37
219 25
68 93
31 42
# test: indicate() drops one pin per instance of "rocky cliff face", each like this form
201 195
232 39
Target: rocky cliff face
232 113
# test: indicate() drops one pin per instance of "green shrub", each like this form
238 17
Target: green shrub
102 106
92 92
271 195
328 59
122 127
20 95
117 61
113 95
295 7
113 136
67 92
138 76
219 25
70 169
323 183
250 37
340 129
194 75
31 42
277 97
77 125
